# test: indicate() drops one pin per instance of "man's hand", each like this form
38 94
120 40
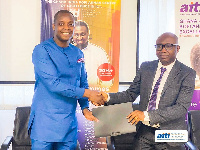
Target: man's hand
88 115
105 95
135 117
94 96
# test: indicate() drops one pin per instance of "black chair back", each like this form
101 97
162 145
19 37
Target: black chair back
194 127
21 139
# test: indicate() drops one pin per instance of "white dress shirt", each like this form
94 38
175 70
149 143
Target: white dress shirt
94 57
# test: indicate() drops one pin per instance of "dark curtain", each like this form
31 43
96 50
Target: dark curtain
46 22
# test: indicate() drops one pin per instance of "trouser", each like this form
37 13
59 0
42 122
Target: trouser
42 145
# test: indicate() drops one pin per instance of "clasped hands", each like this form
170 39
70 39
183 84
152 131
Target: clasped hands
97 98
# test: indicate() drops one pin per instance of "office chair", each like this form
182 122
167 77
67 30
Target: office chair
20 139
120 142
193 130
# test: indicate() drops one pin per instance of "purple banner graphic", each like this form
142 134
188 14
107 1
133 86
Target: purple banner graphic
86 136
195 103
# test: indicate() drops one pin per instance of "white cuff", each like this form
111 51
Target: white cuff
108 97
146 118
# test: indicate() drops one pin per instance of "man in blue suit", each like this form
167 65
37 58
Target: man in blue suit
61 80
165 87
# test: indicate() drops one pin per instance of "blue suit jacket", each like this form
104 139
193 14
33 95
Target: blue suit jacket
61 80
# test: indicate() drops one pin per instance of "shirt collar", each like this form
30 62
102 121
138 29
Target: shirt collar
168 67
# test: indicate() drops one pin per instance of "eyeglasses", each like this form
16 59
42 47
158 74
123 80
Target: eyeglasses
167 46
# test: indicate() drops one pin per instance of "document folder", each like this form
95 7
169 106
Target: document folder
112 120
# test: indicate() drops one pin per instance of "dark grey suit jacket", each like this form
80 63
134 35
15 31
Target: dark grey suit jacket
175 98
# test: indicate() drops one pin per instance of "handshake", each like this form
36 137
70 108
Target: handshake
97 98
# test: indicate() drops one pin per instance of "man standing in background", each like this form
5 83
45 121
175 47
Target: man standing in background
61 80
94 57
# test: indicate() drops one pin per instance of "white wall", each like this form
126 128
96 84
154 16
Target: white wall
19 33
128 39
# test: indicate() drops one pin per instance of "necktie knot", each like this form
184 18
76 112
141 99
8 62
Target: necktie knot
163 69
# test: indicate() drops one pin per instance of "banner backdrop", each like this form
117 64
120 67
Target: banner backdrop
98 23
187 19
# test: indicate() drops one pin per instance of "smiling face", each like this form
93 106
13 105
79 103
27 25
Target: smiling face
80 36
166 57
63 29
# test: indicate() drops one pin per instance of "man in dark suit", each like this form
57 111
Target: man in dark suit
165 87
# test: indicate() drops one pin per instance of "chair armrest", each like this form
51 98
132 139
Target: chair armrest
5 145
191 146
78 147
110 143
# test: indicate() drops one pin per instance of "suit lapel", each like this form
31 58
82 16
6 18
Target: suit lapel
172 75
151 75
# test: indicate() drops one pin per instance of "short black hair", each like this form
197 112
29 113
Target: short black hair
82 23
61 11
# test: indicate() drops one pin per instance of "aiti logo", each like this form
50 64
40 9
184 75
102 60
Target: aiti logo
171 136
164 135
193 7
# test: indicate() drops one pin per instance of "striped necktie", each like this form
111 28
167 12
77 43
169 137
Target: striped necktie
152 102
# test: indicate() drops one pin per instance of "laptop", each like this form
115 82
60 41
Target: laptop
112 120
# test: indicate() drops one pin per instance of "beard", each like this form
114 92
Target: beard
82 46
